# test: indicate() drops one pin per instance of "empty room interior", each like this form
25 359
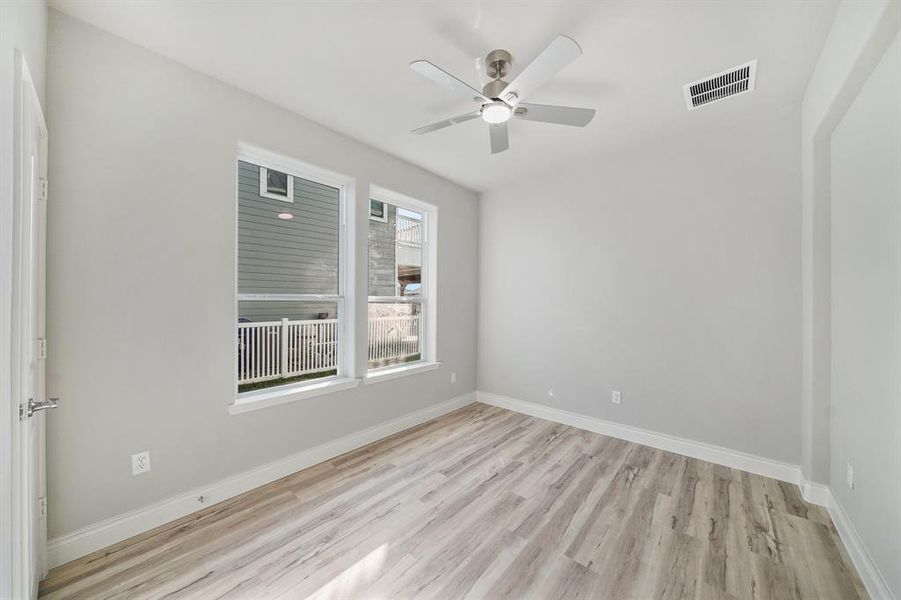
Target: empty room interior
386 299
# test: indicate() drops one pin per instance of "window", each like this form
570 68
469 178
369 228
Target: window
400 299
290 273
377 211
276 185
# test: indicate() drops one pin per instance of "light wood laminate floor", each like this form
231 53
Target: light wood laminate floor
487 503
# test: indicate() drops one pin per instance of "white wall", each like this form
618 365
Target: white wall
23 27
671 273
859 35
866 314
141 278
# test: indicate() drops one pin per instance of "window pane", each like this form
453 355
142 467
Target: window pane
394 333
286 248
395 253
377 209
276 183
285 342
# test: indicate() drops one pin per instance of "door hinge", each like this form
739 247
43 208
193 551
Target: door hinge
42 348
42 506
43 189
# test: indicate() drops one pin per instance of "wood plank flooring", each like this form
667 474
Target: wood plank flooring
487 503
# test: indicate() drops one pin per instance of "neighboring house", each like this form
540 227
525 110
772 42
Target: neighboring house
275 255
395 251
300 254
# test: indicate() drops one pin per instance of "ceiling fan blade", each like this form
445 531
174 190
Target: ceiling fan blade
500 138
561 115
447 123
559 53
438 75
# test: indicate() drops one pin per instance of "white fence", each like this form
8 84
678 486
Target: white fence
281 349
408 232
392 339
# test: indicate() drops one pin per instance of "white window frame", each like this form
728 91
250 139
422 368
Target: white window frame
264 185
247 401
428 298
384 217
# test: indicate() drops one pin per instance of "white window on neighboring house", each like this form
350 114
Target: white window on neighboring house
377 211
402 272
290 273
276 185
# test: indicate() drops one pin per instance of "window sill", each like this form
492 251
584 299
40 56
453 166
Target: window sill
251 401
394 372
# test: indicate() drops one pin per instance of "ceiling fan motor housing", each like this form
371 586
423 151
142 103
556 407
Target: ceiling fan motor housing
497 63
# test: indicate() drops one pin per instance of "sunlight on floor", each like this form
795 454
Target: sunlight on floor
350 583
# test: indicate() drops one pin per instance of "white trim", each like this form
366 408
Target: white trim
289 297
99 535
251 401
815 493
396 299
258 156
715 454
264 186
394 372
866 567
377 192
428 297
346 186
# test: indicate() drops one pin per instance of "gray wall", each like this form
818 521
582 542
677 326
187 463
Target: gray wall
135 236
23 27
670 273
866 314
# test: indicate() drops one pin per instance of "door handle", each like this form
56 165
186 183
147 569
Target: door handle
34 407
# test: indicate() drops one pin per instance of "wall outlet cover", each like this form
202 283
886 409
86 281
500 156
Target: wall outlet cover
616 397
140 462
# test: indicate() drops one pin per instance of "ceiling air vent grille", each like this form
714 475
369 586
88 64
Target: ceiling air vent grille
732 82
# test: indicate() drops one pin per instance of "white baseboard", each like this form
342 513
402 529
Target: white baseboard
715 454
815 493
121 527
866 567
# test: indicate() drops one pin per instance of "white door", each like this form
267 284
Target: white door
29 348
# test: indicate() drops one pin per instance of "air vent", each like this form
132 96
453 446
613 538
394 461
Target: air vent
732 82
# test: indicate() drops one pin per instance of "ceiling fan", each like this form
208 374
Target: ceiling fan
500 100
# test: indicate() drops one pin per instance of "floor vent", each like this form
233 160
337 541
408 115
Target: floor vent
732 82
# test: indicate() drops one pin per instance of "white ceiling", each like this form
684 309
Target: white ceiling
344 64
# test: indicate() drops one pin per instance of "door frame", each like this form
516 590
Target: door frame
21 579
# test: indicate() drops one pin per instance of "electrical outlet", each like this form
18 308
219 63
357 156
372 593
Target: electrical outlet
850 475
616 397
453 378
550 393
140 462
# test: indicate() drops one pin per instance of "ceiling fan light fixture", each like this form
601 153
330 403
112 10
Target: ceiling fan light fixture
496 112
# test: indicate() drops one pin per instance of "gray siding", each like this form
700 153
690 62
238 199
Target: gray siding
277 256
381 254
